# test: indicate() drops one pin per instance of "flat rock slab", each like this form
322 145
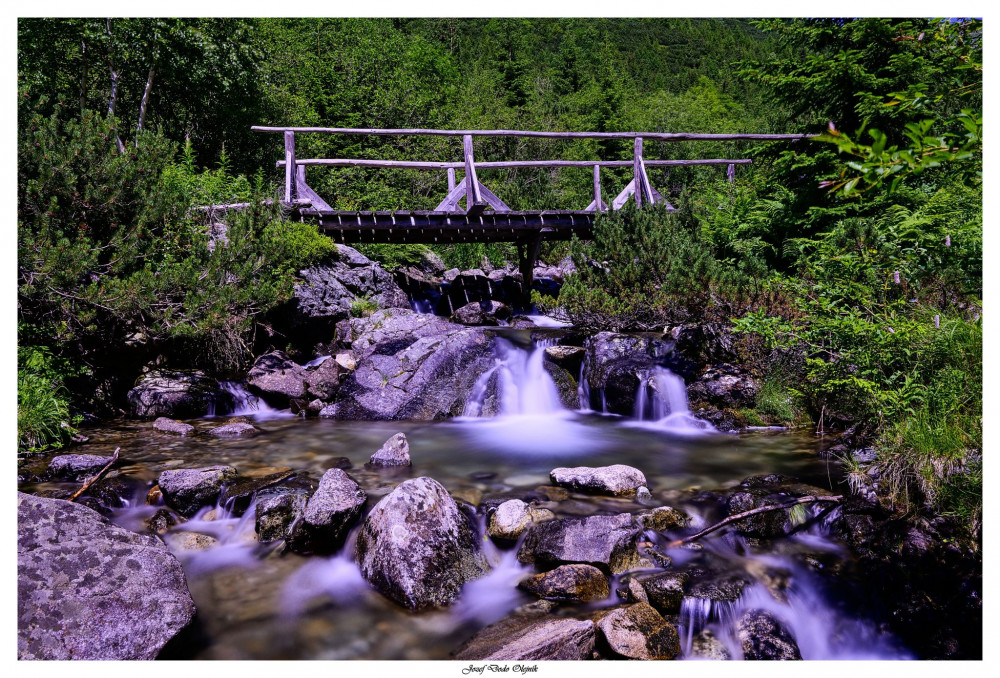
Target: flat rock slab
187 490
76 466
639 632
87 589
606 542
165 425
574 583
617 479
528 638
237 429
395 452
331 511
417 548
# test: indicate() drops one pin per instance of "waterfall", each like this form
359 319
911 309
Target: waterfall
661 399
245 404
525 387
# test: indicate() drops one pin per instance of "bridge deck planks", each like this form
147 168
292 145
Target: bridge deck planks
428 227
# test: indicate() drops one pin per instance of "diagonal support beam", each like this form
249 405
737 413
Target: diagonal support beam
622 198
592 207
450 203
496 203
304 190
474 203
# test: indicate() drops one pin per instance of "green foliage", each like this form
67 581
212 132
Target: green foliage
363 307
43 418
393 256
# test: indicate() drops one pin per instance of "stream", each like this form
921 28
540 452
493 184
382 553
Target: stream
256 601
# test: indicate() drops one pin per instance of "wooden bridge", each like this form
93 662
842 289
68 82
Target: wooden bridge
484 217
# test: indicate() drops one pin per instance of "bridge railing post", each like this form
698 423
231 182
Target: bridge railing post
637 171
597 188
290 170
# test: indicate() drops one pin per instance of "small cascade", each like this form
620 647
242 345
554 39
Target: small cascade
661 399
245 404
316 362
525 387
235 535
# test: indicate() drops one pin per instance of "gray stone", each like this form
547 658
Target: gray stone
76 466
239 493
323 381
237 429
187 490
394 452
87 589
165 425
410 366
720 589
277 378
481 313
417 548
763 637
330 513
173 393
573 583
527 638
277 513
567 357
511 518
723 386
706 646
639 632
606 542
664 518
182 541
617 479
665 591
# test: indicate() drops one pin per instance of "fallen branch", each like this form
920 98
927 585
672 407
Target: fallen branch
752 512
100 474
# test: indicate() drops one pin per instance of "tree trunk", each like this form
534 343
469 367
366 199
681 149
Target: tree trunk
114 90
145 103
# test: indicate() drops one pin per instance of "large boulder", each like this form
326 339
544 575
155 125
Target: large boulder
606 542
331 512
87 589
277 378
723 386
639 632
617 479
174 394
763 637
417 548
410 366
616 365
481 313
76 466
329 288
187 490
528 638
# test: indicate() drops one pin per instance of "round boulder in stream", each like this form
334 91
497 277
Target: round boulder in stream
639 632
617 479
764 637
329 514
88 589
187 490
76 466
417 548
395 452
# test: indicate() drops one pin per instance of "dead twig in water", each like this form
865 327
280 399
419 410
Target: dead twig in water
100 474
752 512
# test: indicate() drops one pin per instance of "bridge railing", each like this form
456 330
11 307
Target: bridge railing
477 197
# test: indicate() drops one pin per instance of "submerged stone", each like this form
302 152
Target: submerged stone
513 517
88 589
417 548
234 430
277 513
165 425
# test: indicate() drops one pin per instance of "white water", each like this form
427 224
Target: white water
247 404
661 403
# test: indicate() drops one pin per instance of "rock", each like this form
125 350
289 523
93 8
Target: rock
573 583
330 513
165 425
174 394
720 589
723 386
706 646
606 542
526 638
474 285
346 360
481 313
417 548
570 358
237 495
617 479
187 490
762 636
630 590
88 589
76 466
160 522
234 430
394 452
275 515
616 364
329 288
665 591
184 541
639 632
323 381
664 518
511 518
277 378
410 366
116 490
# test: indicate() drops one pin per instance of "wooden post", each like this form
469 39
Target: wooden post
473 199
937 322
947 241
527 254
289 166
451 179
637 172
597 188
731 173
895 277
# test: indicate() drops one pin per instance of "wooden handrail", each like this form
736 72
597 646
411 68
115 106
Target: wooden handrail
660 136
502 164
